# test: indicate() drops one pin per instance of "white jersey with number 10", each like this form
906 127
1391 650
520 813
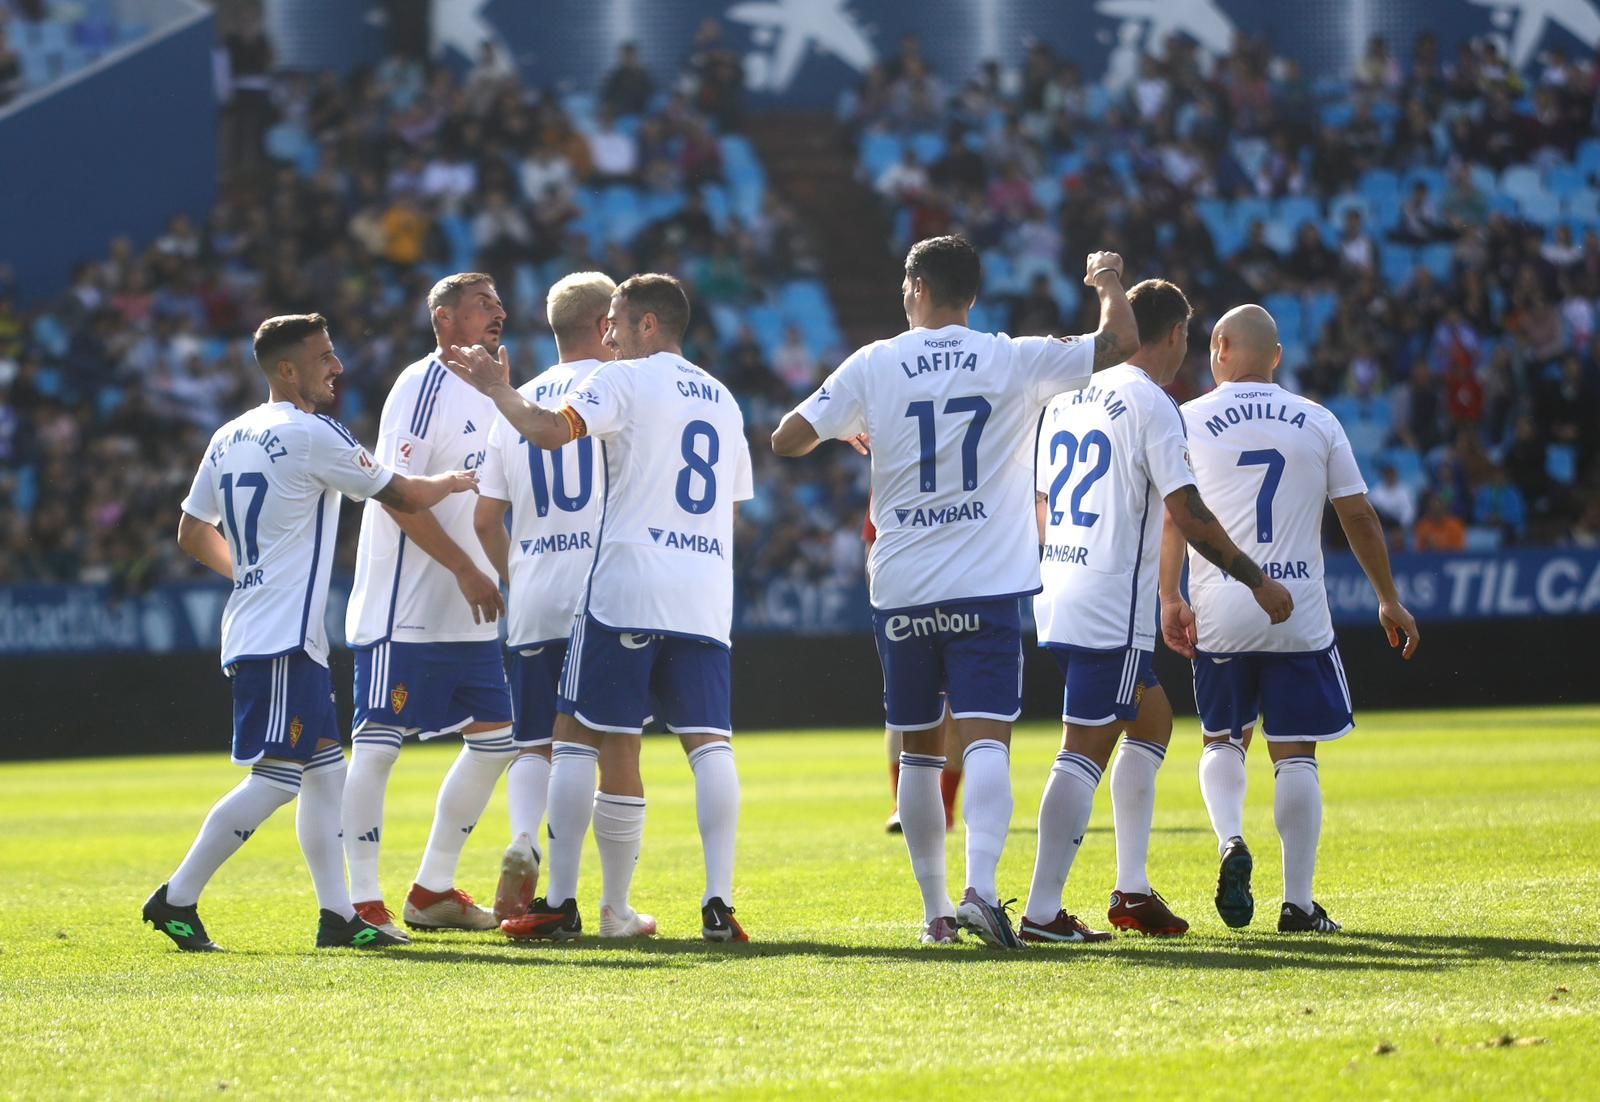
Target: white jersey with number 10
951 413
1266 460
675 460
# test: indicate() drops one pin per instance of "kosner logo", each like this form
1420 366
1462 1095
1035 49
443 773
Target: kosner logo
903 627
785 31
1533 17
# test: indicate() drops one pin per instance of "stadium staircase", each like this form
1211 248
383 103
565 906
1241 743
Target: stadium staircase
812 167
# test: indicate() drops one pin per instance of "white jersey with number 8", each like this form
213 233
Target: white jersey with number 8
1266 460
675 460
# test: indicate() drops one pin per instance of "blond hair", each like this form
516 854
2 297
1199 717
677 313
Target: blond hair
576 300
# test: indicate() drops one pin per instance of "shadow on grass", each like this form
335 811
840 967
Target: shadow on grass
1355 951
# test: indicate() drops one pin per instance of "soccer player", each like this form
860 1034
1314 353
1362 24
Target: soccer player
421 620
1111 458
272 479
949 413
1268 459
655 616
545 559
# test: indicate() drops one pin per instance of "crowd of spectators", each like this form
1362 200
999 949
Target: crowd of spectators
350 196
1425 233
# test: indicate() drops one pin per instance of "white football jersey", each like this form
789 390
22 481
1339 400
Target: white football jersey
675 459
1266 460
1109 454
432 422
555 513
951 413
271 479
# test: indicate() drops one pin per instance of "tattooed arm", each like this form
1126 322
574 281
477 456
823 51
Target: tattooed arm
1199 525
1118 335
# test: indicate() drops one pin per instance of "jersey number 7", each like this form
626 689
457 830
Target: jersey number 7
1272 460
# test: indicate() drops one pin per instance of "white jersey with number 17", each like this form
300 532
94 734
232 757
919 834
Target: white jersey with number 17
555 513
1266 460
675 460
951 414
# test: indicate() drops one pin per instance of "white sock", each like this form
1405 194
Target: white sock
1063 818
1297 809
374 752
618 834
462 798
316 822
922 824
716 805
1222 786
1133 809
987 764
232 820
572 781
527 792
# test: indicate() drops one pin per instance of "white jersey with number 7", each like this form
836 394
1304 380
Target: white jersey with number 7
1266 460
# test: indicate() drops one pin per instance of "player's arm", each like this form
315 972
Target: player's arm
1177 618
412 494
1041 510
1205 533
489 521
203 543
795 436
543 428
423 529
1365 532
1118 335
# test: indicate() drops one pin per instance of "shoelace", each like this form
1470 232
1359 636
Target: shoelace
1002 911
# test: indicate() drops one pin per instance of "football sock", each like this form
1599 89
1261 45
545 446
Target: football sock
618 834
374 752
235 817
316 823
1222 786
1133 809
1063 818
716 804
922 825
462 798
987 764
527 792
949 784
1297 809
573 766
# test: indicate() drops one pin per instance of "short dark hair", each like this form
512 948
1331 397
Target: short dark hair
950 268
658 294
1157 306
275 336
447 292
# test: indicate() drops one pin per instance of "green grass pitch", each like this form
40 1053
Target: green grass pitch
1460 850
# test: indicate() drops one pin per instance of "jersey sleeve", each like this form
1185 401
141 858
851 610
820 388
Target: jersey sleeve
1054 364
1166 448
338 461
837 410
201 500
1344 474
404 429
492 471
606 399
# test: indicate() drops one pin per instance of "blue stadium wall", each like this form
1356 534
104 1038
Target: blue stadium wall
805 52
116 150
83 672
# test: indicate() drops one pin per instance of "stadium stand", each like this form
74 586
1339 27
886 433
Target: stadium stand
41 42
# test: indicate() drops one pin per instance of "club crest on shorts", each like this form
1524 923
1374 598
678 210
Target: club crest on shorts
398 697
1138 693
296 729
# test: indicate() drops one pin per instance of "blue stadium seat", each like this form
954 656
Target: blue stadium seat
1482 539
1319 307
1348 201
1484 179
1383 213
929 146
1366 438
1047 192
1000 274
1396 263
1563 180
1436 181
1518 181
1287 312
1589 156
717 205
1561 463
1280 235
1247 212
1438 259
1380 183
1296 209
1541 208
1582 206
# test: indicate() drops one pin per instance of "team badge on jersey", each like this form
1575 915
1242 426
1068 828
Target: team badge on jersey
398 697
296 729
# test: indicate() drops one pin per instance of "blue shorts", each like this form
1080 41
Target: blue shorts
612 677
282 707
430 689
535 674
970 653
1103 686
1301 697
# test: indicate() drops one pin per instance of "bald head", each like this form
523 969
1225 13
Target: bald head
1244 343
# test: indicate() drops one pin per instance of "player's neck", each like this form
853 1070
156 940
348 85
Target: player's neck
941 319
1252 377
275 395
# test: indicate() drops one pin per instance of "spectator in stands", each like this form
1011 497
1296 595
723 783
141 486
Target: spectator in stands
904 180
628 87
1585 531
1037 314
1463 207
716 77
1258 263
1357 251
794 363
614 153
1417 411
1498 505
1419 223
1396 503
1440 529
